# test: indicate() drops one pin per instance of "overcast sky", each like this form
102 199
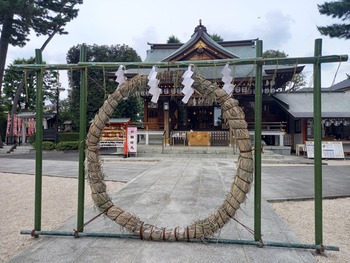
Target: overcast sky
288 26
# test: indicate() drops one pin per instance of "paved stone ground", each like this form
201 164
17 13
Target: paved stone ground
282 183
172 192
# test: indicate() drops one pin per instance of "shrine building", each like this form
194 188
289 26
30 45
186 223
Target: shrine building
199 122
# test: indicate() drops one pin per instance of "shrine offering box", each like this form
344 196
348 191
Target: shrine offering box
199 138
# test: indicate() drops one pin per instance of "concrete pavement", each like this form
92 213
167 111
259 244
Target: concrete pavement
172 192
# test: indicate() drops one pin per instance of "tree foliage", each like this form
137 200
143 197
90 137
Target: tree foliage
274 54
19 17
98 85
298 80
340 10
27 97
216 37
173 40
67 113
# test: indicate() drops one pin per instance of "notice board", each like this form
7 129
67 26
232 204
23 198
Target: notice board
330 150
132 139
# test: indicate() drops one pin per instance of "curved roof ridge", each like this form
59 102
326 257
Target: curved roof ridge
200 34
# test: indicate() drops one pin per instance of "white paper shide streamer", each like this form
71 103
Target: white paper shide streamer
153 83
120 75
227 79
187 82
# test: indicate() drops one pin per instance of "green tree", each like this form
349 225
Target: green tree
298 80
216 37
173 40
66 112
19 17
129 108
27 94
340 10
98 86
274 54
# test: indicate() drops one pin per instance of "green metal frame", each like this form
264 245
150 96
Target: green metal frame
82 136
38 142
209 240
84 66
318 145
257 144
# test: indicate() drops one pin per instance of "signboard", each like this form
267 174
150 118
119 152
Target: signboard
132 139
330 150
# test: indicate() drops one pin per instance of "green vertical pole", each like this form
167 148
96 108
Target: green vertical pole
82 136
257 144
38 142
318 145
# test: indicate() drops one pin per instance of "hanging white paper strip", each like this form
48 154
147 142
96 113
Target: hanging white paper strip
155 96
120 75
227 79
153 83
187 96
187 82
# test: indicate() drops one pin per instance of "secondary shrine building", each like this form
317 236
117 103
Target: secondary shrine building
199 121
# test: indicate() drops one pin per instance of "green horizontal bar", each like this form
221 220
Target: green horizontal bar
209 240
198 63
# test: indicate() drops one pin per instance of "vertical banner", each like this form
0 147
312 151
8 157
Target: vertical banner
8 124
132 139
19 126
14 128
31 126
27 127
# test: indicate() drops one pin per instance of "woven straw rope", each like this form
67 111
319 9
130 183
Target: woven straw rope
234 117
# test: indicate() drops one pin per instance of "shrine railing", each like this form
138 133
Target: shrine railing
276 126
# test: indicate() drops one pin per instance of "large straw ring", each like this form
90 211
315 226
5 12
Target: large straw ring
234 118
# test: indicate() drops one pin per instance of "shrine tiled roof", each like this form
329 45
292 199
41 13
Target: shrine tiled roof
341 86
199 42
300 104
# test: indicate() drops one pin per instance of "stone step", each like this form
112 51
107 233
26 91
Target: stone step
196 152
203 155
5 149
10 149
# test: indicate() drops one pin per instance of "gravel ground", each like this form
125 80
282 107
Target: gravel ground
59 198
336 225
17 206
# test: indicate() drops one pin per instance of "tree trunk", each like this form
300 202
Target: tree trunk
4 44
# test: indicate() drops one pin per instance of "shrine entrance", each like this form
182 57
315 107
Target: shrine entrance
233 116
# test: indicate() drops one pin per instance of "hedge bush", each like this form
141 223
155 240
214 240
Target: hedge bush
62 137
48 146
68 136
70 145
31 138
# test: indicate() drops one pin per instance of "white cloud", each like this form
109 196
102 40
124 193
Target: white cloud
140 41
288 26
274 28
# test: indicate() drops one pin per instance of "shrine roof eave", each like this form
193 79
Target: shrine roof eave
165 45
300 104
239 73
238 43
341 86
233 43
285 69
119 120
